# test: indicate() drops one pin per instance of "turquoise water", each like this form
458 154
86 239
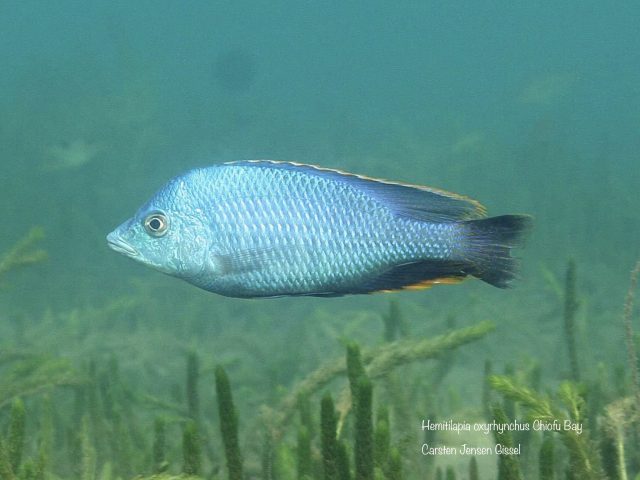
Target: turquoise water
529 107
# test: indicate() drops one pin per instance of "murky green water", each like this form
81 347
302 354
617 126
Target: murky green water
527 107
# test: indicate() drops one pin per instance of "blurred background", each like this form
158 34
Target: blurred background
529 107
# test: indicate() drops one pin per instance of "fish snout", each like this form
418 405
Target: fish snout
117 243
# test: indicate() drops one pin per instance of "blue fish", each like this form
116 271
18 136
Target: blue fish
263 228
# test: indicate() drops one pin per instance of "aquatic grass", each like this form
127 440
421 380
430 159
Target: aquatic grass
446 361
395 471
46 436
88 459
156 379
570 308
386 459
629 336
162 476
160 463
546 458
363 429
16 434
25 375
568 406
121 446
113 403
6 470
355 368
508 466
382 440
396 327
439 473
344 472
611 458
378 362
23 252
228 424
473 469
329 442
618 420
304 464
450 473
193 368
191 449
487 399
394 323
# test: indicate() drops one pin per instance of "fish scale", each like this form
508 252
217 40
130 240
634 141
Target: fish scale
266 228
340 227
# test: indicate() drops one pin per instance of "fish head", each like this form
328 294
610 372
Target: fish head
169 233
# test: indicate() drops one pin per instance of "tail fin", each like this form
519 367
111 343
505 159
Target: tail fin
490 241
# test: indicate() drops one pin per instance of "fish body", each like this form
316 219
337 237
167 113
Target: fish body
267 229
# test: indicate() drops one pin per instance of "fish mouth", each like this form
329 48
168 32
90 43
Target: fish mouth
119 245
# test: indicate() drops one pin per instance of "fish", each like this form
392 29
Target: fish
266 228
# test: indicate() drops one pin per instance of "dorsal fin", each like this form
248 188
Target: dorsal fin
414 201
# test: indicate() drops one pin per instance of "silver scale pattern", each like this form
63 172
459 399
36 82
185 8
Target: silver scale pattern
290 231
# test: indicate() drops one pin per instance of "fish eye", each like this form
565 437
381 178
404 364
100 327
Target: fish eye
156 224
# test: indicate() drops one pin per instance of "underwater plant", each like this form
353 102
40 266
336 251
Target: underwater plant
546 458
570 308
165 476
87 421
377 362
23 252
228 424
25 374
508 466
361 394
329 445
567 409
629 337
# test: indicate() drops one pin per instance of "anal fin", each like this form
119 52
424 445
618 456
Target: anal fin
416 276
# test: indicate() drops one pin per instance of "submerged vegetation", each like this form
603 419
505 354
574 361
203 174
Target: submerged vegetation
110 373
23 252
359 416
148 385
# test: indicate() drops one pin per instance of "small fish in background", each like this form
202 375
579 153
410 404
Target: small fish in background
262 228
70 155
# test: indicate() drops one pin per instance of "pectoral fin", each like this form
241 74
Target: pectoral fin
243 261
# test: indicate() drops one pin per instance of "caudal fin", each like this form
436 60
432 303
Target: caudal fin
490 241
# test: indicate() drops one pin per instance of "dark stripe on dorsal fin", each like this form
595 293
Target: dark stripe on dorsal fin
415 201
